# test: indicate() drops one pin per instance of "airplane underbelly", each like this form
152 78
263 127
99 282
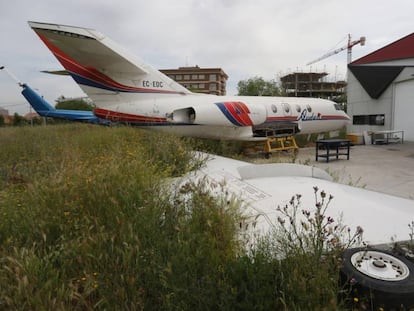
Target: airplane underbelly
318 126
206 131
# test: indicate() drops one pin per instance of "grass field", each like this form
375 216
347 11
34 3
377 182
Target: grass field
85 225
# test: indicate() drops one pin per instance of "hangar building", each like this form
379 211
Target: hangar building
381 89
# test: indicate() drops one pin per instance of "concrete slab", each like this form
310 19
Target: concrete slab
384 168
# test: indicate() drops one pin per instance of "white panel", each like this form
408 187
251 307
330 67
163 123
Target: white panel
404 109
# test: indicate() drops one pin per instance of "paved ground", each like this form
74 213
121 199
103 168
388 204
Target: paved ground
384 168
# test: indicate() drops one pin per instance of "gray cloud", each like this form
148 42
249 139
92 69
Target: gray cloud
246 38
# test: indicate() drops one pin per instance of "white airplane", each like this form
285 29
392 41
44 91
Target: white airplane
125 89
380 266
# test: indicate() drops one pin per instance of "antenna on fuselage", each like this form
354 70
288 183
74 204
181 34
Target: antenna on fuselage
11 75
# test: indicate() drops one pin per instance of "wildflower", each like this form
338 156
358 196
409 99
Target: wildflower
359 230
356 299
280 220
66 213
304 225
323 194
315 189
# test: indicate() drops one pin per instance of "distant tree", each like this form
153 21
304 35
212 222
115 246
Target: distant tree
18 120
257 86
74 104
2 121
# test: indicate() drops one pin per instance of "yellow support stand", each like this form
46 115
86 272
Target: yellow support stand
280 144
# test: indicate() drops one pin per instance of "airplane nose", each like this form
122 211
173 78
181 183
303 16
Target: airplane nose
347 118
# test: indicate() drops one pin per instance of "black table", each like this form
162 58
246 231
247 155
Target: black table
333 148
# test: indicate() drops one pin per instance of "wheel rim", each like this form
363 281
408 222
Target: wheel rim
379 265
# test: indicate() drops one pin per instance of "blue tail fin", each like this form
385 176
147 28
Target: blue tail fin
44 109
41 106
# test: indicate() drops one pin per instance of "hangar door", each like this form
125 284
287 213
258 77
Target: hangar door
404 108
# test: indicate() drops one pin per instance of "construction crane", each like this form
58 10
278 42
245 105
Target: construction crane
348 46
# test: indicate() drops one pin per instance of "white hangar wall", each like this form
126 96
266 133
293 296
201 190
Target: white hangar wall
403 101
392 110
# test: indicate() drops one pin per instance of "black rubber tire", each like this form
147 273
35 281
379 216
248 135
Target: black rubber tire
375 293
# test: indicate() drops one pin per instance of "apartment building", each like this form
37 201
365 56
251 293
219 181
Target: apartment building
200 80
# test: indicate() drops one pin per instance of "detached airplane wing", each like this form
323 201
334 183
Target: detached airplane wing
382 266
262 187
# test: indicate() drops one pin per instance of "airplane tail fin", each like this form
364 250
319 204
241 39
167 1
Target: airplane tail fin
105 71
39 104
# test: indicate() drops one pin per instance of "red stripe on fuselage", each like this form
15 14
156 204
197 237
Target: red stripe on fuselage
126 117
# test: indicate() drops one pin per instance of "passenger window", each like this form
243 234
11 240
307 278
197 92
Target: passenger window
309 108
286 107
274 108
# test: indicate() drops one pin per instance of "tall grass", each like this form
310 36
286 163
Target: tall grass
86 224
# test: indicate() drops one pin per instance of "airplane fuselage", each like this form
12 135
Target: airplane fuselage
229 117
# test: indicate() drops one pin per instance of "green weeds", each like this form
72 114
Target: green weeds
86 224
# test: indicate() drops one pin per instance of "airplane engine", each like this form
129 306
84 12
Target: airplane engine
221 114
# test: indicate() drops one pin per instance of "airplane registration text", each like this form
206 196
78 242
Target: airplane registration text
146 83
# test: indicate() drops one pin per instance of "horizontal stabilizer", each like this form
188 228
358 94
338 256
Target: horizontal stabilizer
57 72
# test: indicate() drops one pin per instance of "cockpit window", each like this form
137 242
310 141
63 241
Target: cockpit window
337 107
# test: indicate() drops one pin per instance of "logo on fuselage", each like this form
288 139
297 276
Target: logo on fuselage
236 112
307 116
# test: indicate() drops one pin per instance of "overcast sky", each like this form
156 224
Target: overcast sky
246 38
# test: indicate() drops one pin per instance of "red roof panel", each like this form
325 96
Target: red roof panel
400 49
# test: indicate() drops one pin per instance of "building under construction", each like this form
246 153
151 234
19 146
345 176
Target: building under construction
312 84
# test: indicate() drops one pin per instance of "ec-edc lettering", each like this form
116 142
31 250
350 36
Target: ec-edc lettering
157 84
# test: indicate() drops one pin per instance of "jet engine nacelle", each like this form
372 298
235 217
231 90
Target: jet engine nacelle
235 113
